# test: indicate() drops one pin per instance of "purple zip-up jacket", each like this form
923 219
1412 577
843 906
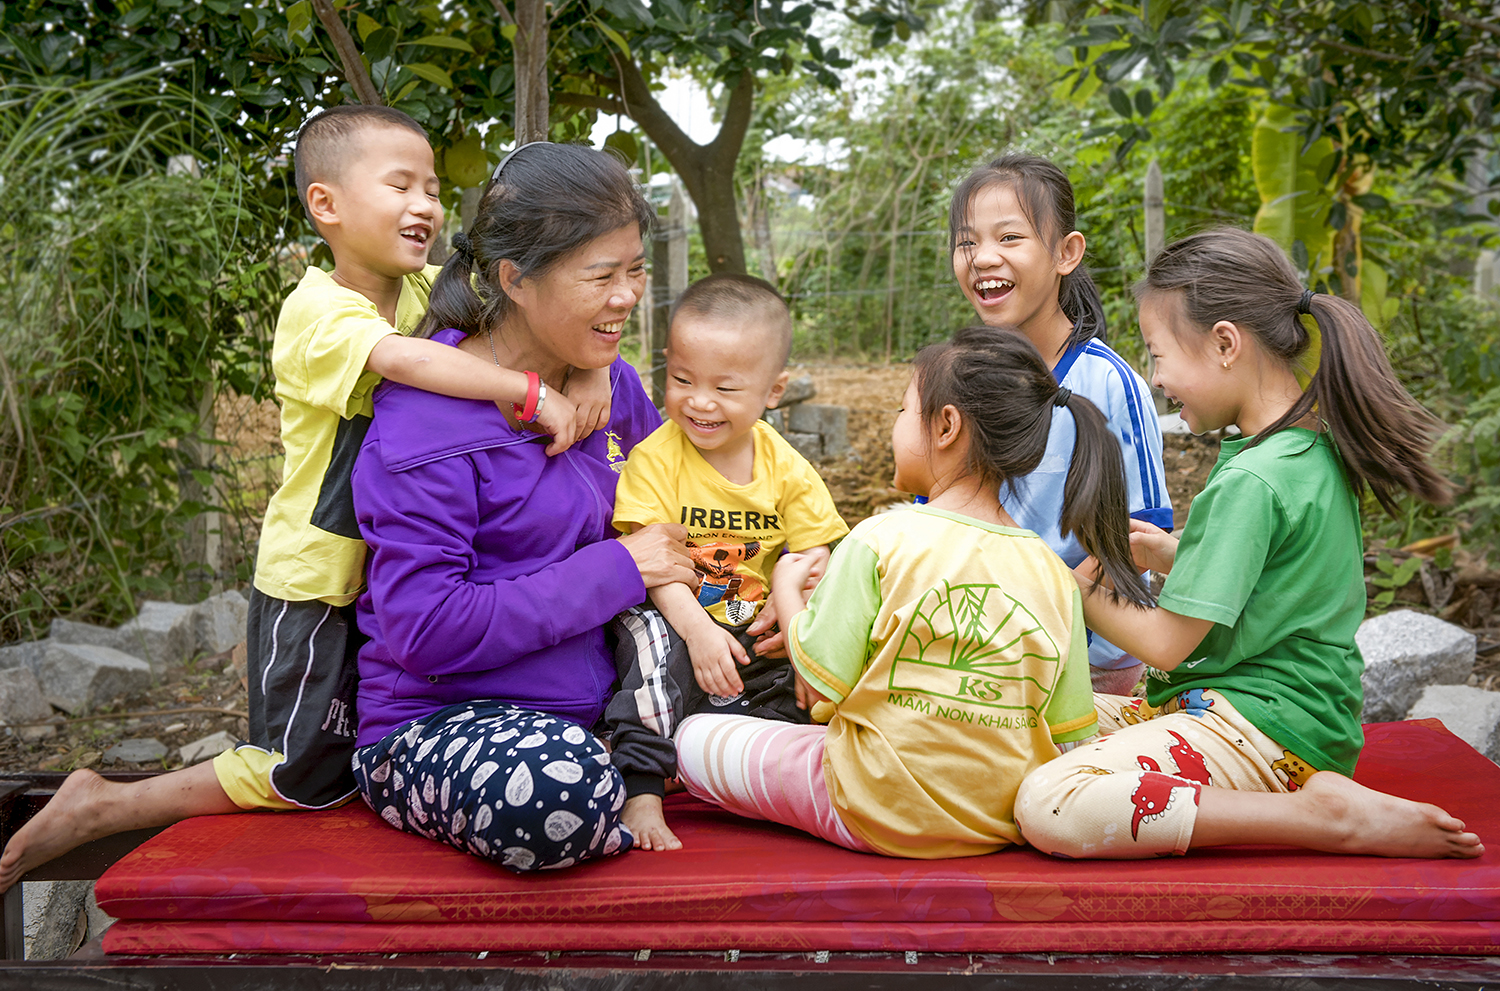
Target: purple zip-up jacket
492 568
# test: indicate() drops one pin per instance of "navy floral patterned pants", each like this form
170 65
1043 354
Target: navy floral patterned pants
525 789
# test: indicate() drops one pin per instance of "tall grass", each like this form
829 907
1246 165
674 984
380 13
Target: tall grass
127 295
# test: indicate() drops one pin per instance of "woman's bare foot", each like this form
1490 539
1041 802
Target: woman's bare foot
643 815
72 817
1356 819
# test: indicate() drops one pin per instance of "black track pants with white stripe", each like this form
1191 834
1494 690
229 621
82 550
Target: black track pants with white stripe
303 673
657 690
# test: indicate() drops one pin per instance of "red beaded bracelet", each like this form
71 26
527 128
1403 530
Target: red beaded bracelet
533 388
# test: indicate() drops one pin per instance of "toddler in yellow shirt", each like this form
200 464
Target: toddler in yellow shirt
744 495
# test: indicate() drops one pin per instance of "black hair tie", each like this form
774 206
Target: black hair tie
462 244
1304 305
1062 396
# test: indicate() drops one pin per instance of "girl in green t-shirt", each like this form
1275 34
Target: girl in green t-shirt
1251 729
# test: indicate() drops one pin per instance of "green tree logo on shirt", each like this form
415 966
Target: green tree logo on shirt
977 645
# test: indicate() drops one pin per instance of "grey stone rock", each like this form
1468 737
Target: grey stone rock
136 751
161 634
1405 652
53 918
67 631
77 676
810 446
98 919
219 622
1471 714
21 701
19 655
207 747
777 419
831 423
799 390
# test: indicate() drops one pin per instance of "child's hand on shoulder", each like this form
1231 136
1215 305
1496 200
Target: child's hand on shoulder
590 391
1153 548
559 418
714 651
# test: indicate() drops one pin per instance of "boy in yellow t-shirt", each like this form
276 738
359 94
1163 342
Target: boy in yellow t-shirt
745 495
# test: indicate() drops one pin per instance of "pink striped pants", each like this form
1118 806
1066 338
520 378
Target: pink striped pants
762 769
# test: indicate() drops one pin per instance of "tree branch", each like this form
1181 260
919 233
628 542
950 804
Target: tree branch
1478 25
503 11
607 104
343 43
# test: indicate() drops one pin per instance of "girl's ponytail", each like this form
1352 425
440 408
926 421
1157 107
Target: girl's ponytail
452 302
998 382
1080 302
1096 505
1381 432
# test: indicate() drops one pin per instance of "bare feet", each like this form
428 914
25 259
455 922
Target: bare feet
70 819
644 817
1357 819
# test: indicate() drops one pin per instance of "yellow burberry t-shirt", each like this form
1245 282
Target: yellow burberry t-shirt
735 532
956 656
310 546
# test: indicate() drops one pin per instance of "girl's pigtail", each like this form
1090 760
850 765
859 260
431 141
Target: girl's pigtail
453 302
1079 298
1096 506
1382 433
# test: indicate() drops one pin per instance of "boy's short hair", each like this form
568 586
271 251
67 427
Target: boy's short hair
324 144
729 295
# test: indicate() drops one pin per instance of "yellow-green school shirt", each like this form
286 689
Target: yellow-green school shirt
310 546
956 654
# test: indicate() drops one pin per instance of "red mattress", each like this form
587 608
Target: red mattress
345 882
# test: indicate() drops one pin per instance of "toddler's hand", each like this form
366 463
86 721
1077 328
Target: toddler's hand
769 641
589 390
558 418
713 656
1153 548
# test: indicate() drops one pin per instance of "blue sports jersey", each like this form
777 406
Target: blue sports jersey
1095 372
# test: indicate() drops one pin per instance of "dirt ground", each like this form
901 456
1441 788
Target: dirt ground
209 694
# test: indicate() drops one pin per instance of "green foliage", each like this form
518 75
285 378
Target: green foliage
117 315
1390 577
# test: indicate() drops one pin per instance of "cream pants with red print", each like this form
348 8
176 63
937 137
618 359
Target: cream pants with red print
1134 792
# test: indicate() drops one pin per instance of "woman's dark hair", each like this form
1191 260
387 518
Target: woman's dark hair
1046 198
548 201
998 382
1381 432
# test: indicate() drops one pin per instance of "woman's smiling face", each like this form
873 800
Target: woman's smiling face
1006 267
577 308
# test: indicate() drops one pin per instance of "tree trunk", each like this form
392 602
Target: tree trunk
531 71
354 67
706 170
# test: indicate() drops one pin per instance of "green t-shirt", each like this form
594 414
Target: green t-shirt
1272 554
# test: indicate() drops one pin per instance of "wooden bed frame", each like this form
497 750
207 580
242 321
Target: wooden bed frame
21 796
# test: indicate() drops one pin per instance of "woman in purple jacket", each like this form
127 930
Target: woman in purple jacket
493 567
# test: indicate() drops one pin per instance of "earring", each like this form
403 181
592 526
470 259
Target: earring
1226 366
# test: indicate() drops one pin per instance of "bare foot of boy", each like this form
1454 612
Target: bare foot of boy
1357 819
644 817
71 818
